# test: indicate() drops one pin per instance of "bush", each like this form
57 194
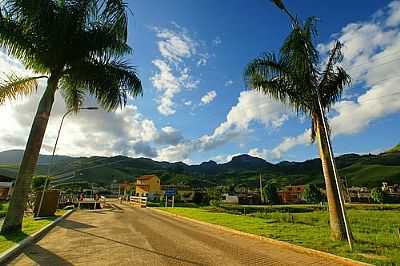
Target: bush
271 193
312 194
377 195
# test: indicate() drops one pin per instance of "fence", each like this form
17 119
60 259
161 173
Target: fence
138 201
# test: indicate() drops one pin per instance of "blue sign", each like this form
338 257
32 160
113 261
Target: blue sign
170 191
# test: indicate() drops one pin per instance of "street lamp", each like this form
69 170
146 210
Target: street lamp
54 151
295 23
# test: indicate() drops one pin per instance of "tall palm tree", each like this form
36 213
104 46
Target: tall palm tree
78 46
295 77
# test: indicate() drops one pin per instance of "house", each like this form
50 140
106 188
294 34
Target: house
6 187
391 189
358 194
292 194
230 199
148 186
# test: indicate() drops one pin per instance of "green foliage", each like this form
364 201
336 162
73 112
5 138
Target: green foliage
200 198
271 193
377 195
215 196
29 226
394 149
88 60
294 76
38 182
312 194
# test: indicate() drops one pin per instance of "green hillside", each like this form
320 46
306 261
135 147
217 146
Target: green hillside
394 149
359 170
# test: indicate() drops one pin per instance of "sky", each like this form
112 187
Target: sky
190 56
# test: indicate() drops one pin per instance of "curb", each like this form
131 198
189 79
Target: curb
15 250
300 249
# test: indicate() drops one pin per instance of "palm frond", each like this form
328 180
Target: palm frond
333 79
74 95
13 86
110 82
114 14
302 57
273 77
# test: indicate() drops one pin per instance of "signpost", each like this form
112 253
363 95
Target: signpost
171 191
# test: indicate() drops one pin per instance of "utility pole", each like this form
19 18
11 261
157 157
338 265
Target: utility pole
261 190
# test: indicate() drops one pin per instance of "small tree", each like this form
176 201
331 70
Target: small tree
215 196
271 193
38 182
377 195
312 194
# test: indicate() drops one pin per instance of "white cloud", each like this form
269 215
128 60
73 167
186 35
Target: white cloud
88 133
287 144
252 106
174 45
217 41
224 158
371 52
209 97
187 103
228 83
172 76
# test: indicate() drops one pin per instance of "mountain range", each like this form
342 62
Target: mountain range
358 170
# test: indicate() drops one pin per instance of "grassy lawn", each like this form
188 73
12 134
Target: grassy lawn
29 227
375 231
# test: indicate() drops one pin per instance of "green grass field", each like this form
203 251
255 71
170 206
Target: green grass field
29 226
375 231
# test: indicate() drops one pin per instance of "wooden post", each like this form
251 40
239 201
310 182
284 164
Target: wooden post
173 200
166 201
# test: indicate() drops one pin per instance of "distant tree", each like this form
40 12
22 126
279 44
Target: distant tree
377 195
312 194
38 182
200 198
271 193
214 195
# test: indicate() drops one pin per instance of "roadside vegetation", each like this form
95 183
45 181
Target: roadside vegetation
29 227
375 231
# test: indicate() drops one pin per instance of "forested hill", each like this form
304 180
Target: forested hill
360 170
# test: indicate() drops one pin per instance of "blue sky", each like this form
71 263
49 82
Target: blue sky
191 55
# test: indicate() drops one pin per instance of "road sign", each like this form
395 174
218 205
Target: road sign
170 191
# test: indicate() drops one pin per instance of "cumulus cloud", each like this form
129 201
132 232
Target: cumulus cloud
371 52
252 106
228 83
217 41
173 75
125 131
208 97
175 45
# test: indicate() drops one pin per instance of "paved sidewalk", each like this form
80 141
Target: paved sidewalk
127 236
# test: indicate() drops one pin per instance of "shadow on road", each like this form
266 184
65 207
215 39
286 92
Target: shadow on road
69 224
137 247
45 257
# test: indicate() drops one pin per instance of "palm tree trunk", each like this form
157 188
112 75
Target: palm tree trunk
15 213
336 219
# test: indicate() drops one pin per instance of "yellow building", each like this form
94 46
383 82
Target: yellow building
148 186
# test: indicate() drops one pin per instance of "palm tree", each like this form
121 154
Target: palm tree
295 77
78 46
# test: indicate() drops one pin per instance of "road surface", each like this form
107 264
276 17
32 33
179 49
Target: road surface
129 236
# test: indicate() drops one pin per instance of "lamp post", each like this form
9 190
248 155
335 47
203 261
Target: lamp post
295 23
53 153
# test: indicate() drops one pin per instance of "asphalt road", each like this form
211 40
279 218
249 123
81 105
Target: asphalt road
128 236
